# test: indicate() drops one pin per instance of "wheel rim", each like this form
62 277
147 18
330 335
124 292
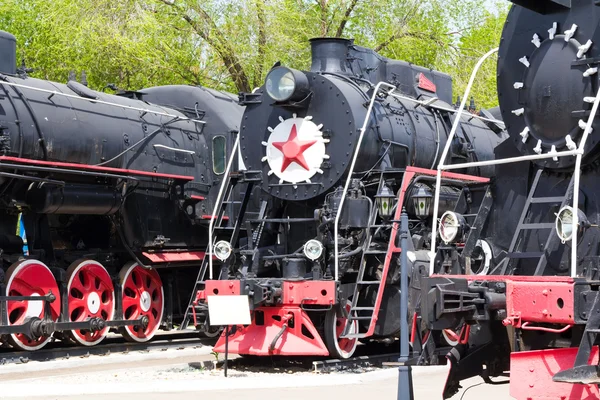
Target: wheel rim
451 337
345 346
143 295
30 278
91 294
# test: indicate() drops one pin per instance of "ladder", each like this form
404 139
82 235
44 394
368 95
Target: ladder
514 254
224 228
357 313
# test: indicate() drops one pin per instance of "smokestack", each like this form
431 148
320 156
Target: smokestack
329 54
8 53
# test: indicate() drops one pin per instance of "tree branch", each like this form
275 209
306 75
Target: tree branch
208 30
346 18
262 42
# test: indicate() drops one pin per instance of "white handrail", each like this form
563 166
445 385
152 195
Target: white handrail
350 171
217 206
107 103
577 172
438 179
578 153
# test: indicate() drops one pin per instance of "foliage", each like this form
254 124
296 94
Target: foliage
472 45
231 44
113 41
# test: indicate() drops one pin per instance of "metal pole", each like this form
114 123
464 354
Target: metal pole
226 349
405 385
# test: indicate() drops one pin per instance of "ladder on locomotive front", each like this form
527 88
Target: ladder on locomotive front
358 313
220 227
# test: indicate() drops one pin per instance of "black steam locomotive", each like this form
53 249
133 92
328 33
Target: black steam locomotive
114 192
340 150
536 312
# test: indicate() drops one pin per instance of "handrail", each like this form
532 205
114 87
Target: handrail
578 153
218 204
438 178
576 176
107 103
351 170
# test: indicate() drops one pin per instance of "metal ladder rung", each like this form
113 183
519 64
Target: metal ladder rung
540 225
362 309
530 254
359 318
542 200
368 282
375 252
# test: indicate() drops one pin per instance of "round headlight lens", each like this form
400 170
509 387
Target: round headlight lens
564 222
451 224
313 249
222 250
280 84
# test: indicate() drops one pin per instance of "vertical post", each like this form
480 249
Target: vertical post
405 386
226 349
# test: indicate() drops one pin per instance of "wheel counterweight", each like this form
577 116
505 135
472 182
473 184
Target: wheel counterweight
30 278
143 295
91 294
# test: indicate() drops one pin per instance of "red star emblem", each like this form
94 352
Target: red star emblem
293 150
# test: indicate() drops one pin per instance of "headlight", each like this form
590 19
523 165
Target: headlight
452 226
313 249
222 250
286 84
564 222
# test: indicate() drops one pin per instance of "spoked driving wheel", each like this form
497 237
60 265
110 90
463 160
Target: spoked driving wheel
29 278
91 294
143 295
342 348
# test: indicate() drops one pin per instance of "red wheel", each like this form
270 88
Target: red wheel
342 348
143 295
91 294
29 278
451 337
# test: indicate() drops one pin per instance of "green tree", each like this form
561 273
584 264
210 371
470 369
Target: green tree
245 37
474 43
116 42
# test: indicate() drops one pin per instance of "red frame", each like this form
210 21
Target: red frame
531 375
294 341
408 177
57 164
175 256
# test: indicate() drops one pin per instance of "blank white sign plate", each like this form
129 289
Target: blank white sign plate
228 310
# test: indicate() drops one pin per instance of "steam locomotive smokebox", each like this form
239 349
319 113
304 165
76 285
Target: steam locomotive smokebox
294 268
8 53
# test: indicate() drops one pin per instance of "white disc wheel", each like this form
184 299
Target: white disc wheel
342 348
143 295
91 295
29 278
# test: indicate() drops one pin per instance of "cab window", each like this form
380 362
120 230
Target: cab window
219 154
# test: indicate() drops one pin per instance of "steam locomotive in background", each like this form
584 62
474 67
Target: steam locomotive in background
536 312
340 150
115 194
